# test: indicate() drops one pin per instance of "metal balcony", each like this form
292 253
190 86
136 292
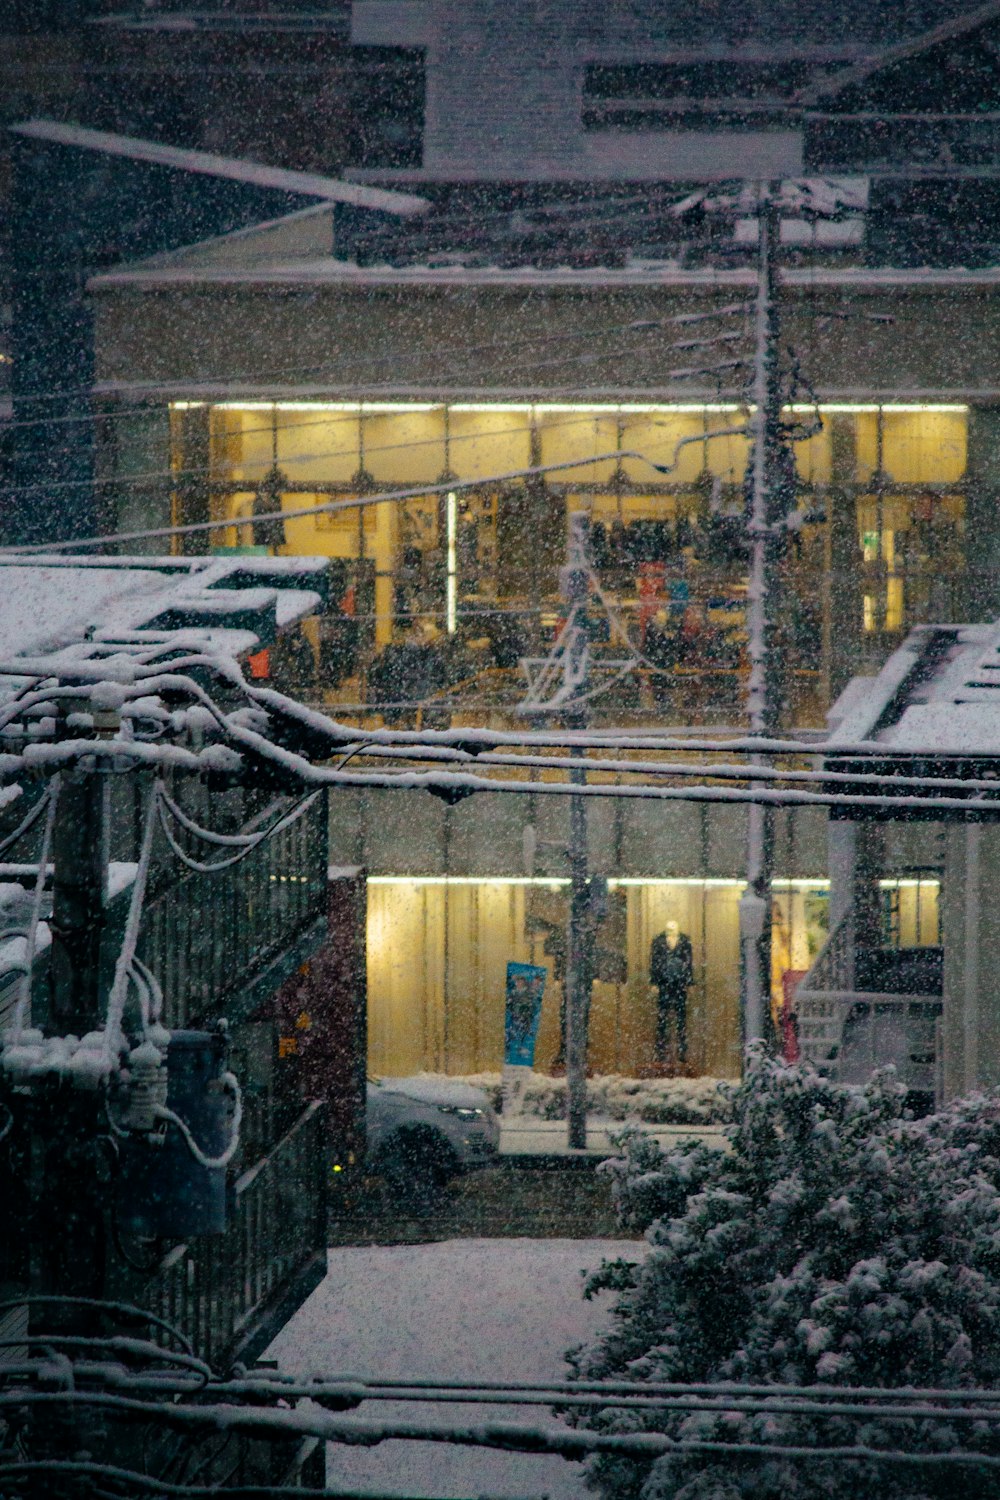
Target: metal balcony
221 944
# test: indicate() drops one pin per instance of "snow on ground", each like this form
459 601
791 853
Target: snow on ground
653 1101
473 1309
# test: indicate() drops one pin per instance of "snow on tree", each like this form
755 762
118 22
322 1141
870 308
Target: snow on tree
836 1241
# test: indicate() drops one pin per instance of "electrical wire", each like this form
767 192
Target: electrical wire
463 783
571 1444
360 502
177 475
101 1304
140 677
231 1082
705 770
113 1037
133 1479
33 698
394 358
117 1344
363 449
153 988
28 822
204 868
31 941
207 835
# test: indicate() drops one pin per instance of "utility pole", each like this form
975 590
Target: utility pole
575 589
766 532
560 686
68 1175
79 896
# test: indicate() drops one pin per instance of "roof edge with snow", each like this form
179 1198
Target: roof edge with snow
206 163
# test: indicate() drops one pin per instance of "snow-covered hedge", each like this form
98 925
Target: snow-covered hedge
653 1101
837 1242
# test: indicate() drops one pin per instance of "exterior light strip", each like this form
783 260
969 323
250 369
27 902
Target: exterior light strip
562 880
520 407
358 408
402 408
794 883
840 407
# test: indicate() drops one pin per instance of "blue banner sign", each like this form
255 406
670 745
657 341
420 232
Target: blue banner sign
525 987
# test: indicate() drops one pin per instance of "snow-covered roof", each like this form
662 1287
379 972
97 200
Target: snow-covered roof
200 18
644 30
947 28
59 607
938 695
329 271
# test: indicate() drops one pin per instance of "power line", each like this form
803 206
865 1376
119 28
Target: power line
361 449
397 358
195 528
450 784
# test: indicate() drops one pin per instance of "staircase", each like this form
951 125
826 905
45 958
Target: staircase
865 1008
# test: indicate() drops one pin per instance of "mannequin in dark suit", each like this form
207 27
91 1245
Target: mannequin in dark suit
671 971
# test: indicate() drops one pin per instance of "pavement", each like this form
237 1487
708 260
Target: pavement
464 1309
526 1135
537 1189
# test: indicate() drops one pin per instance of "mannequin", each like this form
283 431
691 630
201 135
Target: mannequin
671 970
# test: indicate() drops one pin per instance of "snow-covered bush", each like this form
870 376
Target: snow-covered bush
835 1242
653 1101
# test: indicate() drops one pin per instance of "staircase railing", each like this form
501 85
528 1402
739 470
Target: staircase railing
220 1290
206 935
846 1031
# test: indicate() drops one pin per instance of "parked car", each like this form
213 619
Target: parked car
423 1131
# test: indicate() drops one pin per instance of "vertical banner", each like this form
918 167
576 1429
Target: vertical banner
522 1012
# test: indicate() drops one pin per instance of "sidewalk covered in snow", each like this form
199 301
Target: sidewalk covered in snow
461 1309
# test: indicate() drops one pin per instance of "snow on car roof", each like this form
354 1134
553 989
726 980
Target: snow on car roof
433 1089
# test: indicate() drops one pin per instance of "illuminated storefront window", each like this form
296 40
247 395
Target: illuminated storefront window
910 464
472 565
438 950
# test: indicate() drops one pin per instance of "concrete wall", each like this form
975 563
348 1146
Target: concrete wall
971 933
414 833
374 331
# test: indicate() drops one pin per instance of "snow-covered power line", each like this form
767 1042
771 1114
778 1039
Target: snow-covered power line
454 785
272 1422
51 804
246 844
113 1036
299 740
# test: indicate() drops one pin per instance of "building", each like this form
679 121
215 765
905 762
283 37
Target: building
226 920
530 316
934 1008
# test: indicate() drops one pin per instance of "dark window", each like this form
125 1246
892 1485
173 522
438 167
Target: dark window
650 96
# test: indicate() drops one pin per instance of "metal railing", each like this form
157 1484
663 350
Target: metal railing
215 1290
859 1009
833 966
205 935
